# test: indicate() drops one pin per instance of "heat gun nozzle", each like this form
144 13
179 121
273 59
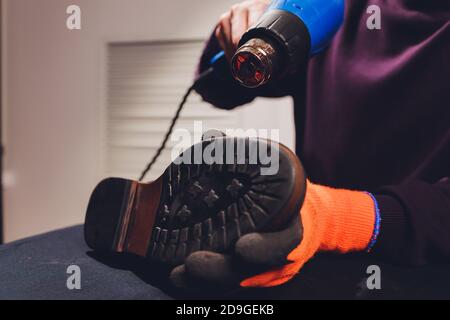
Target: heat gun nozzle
255 63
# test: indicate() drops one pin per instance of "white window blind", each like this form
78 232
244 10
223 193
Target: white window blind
146 82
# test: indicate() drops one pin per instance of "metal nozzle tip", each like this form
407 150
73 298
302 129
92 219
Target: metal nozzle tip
252 65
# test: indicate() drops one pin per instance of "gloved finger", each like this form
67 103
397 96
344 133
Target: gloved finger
178 277
204 268
270 249
239 23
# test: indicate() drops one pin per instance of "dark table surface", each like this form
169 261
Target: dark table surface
36 268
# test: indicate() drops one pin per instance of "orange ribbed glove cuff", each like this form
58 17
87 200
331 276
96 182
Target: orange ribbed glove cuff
333 220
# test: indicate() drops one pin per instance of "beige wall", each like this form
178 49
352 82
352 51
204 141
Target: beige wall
54 89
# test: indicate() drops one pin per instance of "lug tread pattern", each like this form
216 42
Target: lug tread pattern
209 207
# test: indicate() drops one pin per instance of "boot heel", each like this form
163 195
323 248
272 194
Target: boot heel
120 216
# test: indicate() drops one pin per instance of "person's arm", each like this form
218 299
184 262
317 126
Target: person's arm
223 91
416 222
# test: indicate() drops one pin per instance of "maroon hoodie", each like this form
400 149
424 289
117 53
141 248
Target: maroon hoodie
372 112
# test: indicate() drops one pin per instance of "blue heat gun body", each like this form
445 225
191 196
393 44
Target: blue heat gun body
284 38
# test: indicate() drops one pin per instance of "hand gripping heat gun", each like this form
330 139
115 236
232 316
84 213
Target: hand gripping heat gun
288 34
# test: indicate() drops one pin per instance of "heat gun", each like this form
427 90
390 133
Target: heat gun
280 43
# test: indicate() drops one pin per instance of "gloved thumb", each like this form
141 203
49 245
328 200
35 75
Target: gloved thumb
270 249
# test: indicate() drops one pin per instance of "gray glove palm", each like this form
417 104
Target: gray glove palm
254 253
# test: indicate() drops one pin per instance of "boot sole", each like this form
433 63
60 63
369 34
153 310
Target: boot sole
194 207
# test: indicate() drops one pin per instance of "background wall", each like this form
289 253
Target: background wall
54 89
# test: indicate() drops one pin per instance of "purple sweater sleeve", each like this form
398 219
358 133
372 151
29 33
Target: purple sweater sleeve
377 118
415 221
225 93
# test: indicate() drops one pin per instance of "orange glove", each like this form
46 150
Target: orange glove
330 220
333 220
